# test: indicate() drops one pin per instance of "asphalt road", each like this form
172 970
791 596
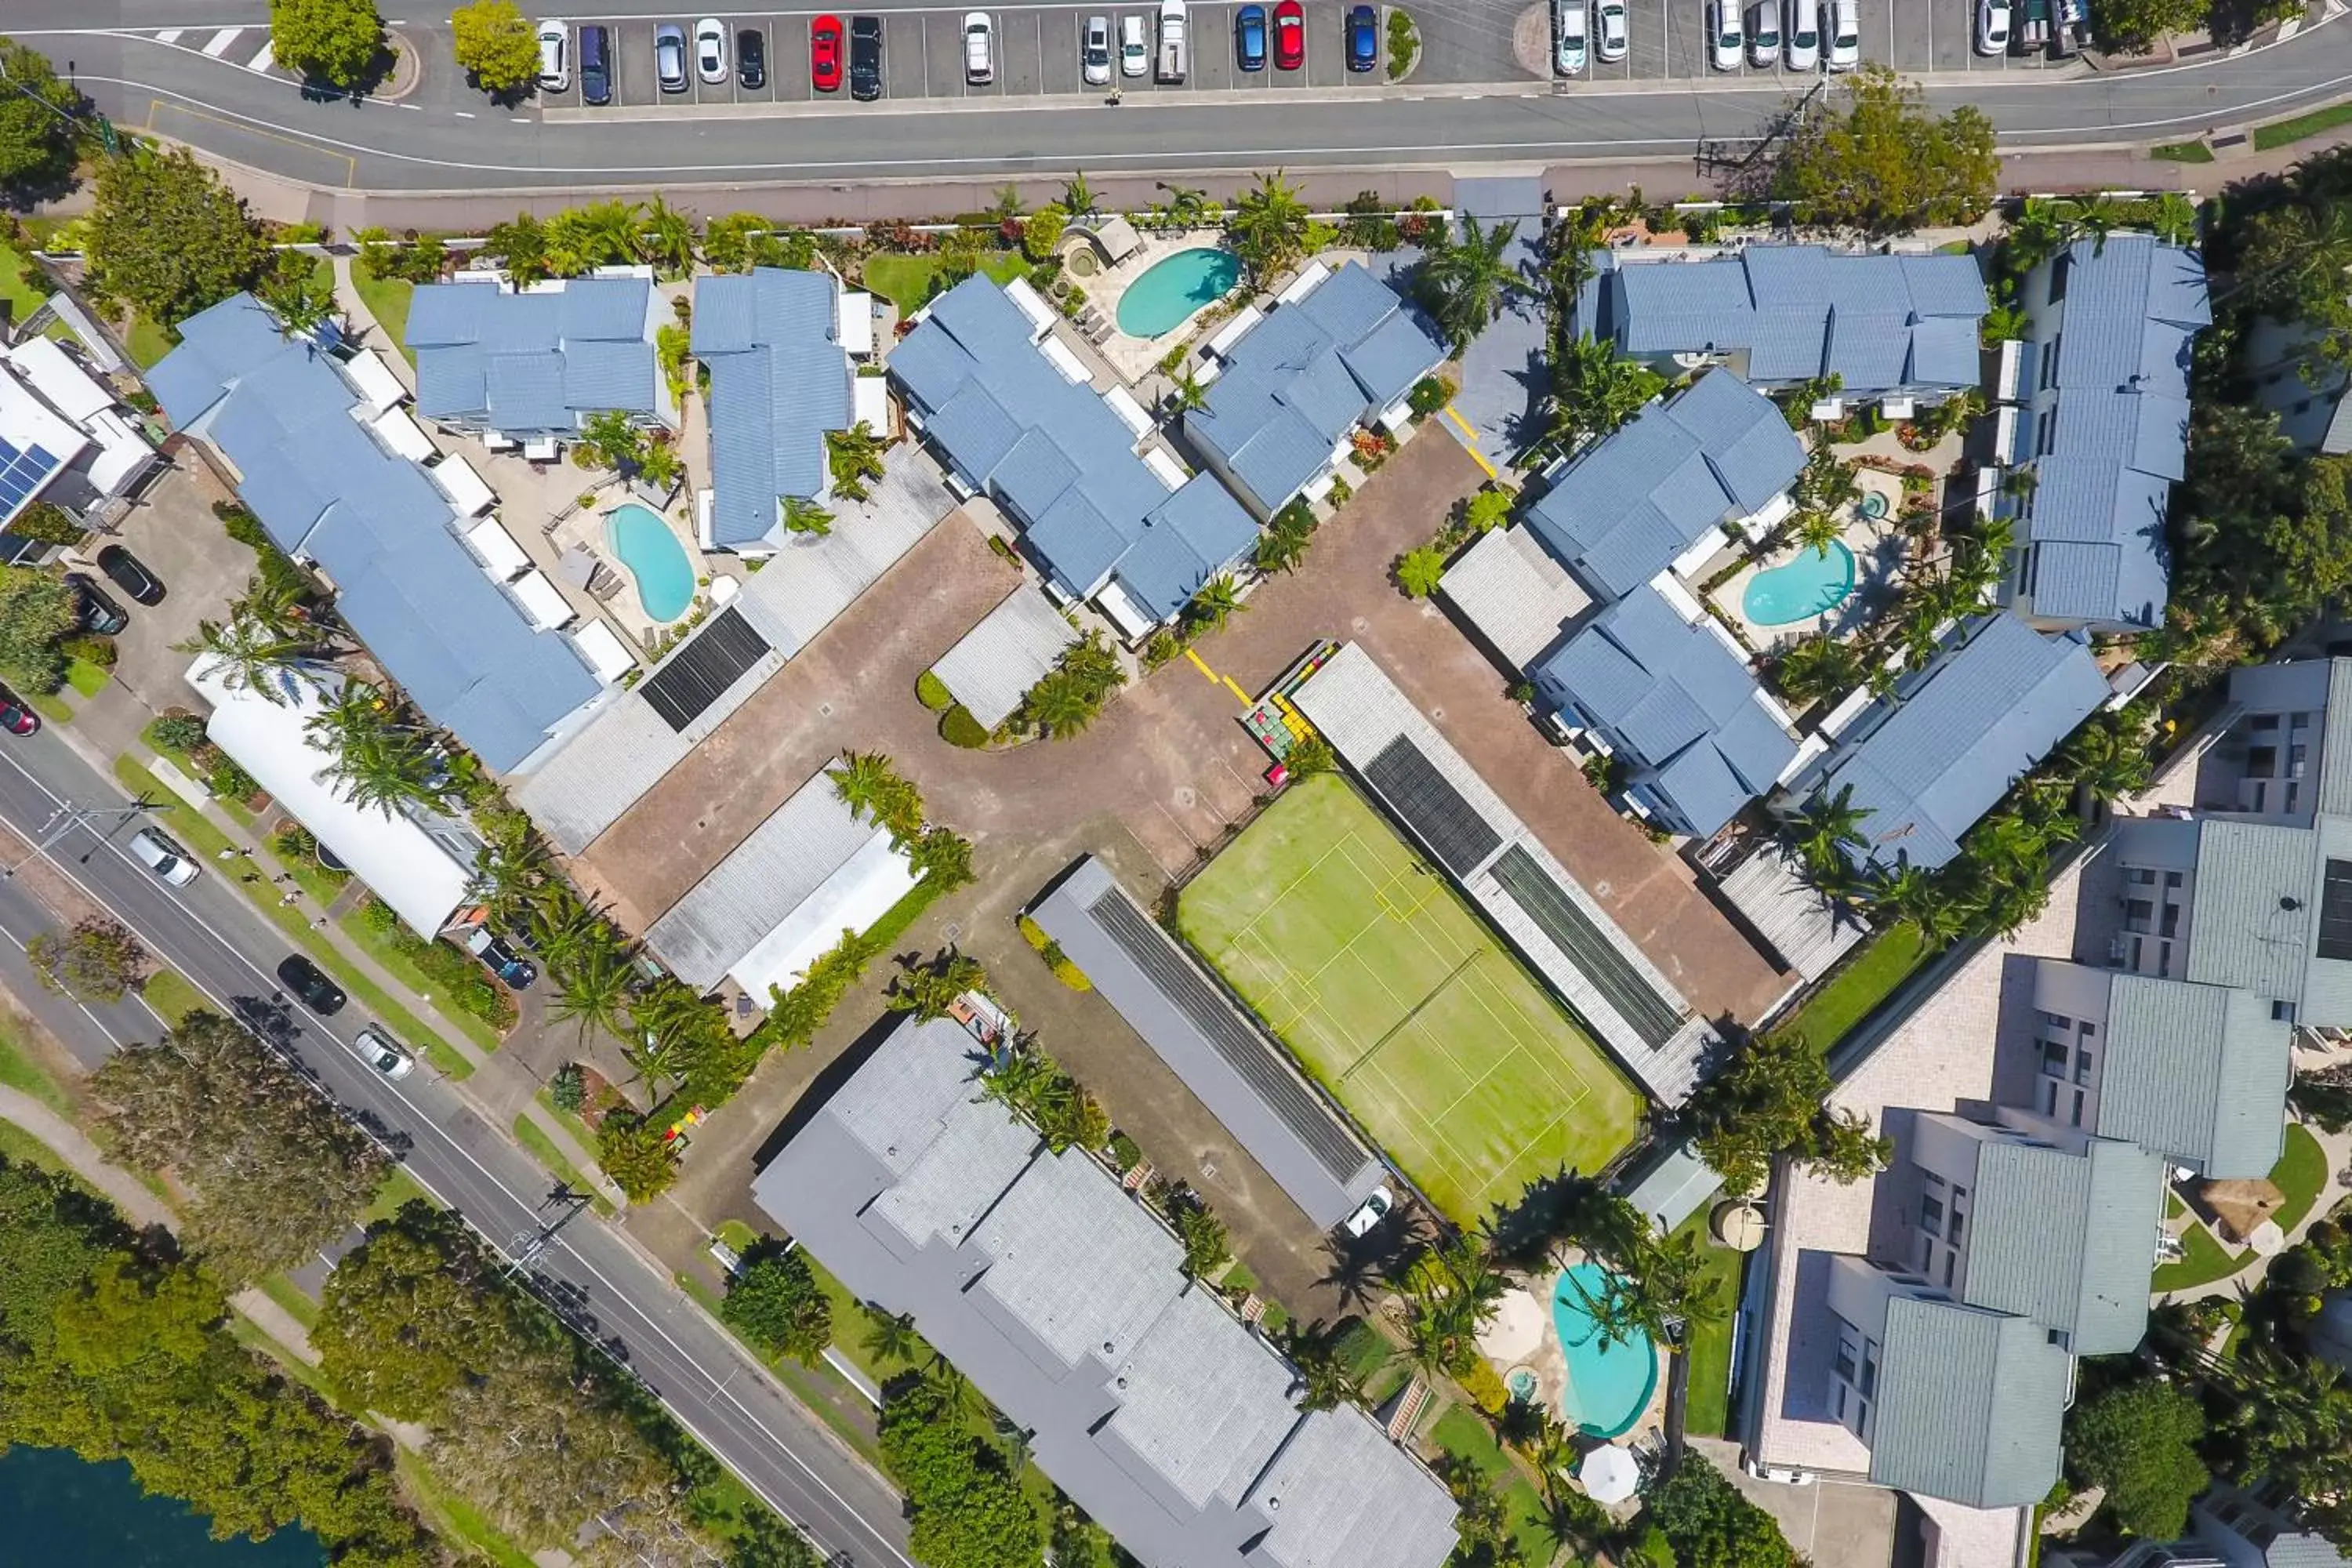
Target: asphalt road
214 937
447 137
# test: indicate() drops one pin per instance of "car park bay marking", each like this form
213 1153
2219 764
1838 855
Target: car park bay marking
221 41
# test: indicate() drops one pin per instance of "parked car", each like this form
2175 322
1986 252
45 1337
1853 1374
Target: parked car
1249 38
710 51
669 57
554 58
128 573
597 66
1611 41
161 854
1725 43
99 613
1804 52
15 717
376 1048
1289 35
1764 34
1992 27
979 47
1845 35
309 982
1370 1212
825 54
751 59
1363 38
1094 52
1134 50
1570 20
865 58
512 970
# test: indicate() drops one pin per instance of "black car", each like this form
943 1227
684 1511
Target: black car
99 613
865 58
751 57
308 981
513 972
595 67
129 575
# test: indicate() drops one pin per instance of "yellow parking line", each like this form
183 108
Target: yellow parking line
1470 440
1236 690
156 105
1206 673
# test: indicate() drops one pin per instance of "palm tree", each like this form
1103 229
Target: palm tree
659 465
1269 227
1465 283
1826 825
1595 390
1818 531
931 990
1186 392
802 515
250 657
1278 549
1078 196
1060 705
2107 758
592 987
387 769
276 605
666 239
855 456
890 1337
1324 1379
1817 669
609 439
352 716
862 781
302 302
1215 604
652 1056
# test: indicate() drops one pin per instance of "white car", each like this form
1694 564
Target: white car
1805 52
154 849
1992 27
1725 43
1845 35
376 1048
1094 54
1569 18
1764 34
979 47
1611 44
554 56
1134 53
1369 1214
710 51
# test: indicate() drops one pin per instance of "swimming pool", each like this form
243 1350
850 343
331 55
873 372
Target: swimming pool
1174 286
664 577
1609 1385
1807 585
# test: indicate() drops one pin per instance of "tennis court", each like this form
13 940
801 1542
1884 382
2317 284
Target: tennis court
1394 996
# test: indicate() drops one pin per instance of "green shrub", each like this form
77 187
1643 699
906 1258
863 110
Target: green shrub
377 916
90 649
633 1152
568 1089
1069 973
1429 394
230 781
181 732
933 693
959 728
1125 1152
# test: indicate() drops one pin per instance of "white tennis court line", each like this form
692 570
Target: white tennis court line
221 41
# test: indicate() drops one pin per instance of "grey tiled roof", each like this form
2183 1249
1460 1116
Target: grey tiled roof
2067 1239
992 667
778 381
1509 588
1679 706
1060 459
1885 323
1306 376
2249 907
1971 1405
1988 708
1182 1439
1628 507
2195 1072
536 361
462 650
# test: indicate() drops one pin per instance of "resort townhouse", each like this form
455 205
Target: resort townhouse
1104 509
65 439
527 367
1897 329
1171 1422
2095 426
1338 352
343 478
781 348
1925 761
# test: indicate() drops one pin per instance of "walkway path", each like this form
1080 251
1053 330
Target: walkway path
2337 1148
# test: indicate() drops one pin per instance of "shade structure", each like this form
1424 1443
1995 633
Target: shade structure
1610 1474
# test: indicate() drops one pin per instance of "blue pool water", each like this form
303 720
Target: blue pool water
653 557
1800 588
1609 1385
1175 287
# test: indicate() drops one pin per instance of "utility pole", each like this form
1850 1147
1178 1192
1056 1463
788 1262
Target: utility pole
66 818
106 136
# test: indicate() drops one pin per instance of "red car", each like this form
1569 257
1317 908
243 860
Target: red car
825 54
1289 35
16 719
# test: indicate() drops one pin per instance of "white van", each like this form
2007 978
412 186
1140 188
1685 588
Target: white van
1764 34
1134 52
1804 34
1568 20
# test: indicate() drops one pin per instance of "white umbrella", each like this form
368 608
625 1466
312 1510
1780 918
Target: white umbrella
1610 1474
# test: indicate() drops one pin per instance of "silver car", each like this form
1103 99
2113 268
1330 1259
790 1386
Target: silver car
156 851
1094 54
669 57
1612 42
376 1048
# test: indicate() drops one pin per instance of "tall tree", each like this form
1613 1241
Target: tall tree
249 655
1880 162
98 959
1710 1525
36 613
1465 283
2139 1443
776 1301
37 130
1595 390
339 42
496 47
167 239
592 985
1773 1099
1214 603
1268 226
853 456
928 990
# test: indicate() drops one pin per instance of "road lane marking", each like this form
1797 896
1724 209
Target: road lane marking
262 61
169 36
221 41
251 128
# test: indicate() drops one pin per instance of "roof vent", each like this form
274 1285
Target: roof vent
1109 1349
1120 1384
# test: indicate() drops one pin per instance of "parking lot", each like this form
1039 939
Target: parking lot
1667 38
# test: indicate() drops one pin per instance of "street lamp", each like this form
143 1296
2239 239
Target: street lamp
105 127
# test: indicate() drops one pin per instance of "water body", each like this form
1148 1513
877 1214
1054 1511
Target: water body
61 1511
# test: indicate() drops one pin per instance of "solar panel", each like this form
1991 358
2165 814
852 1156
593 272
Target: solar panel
1588 947
1431 806
2336 912
713 660
1248 1052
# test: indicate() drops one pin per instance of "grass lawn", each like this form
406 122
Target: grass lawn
386 299
86 677
532 1136
53 708
2299 1176
192 828
1464 1434
1708 1345
2282 133
289 1295
2182 152
455 1518
398 1189
2203 1260
146 342
21 1070
1867 979
172 997
905 281
22 300
1395 996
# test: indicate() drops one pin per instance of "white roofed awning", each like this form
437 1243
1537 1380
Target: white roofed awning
501 556
1165 468
602 648
859 892
1130 413
1040 314
1231 332
404 436
541 600
853 323
1064 357
1308 278
377 383
464 487
55 376
869 402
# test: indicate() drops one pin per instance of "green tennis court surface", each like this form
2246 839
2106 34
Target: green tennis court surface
1394 996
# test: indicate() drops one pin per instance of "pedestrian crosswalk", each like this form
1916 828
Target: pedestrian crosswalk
247 48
